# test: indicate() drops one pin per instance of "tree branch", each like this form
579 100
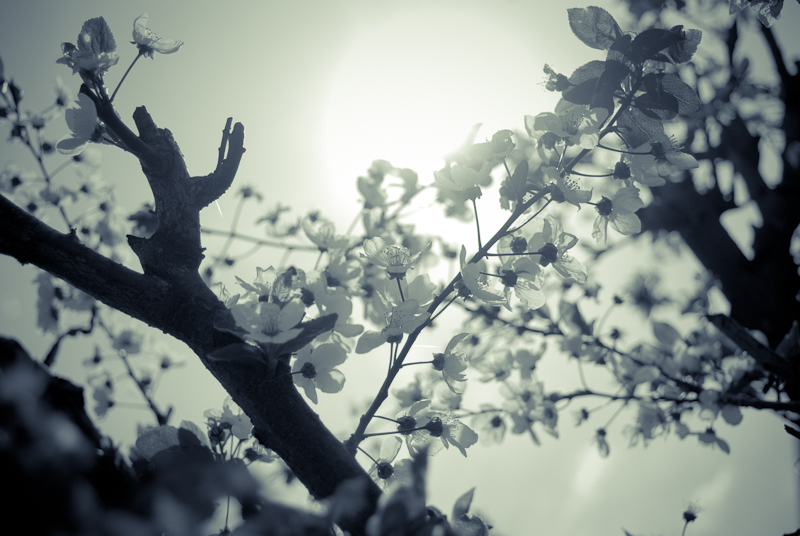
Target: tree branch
172 297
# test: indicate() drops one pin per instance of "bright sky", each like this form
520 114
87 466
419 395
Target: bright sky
325 87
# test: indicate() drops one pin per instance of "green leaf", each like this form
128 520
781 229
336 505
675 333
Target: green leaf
519 178
96 37
461 507
154 440
311 329
610 81
657 105
666 334
683 51
688 101
594 26
636 128
583 83
572 315
649 43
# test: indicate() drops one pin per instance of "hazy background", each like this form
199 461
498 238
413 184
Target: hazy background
323 88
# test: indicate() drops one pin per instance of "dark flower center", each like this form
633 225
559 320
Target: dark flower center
308 370
435 427
549 254
518 245
406 424
605 206
509 278
622 171
548 140
385 470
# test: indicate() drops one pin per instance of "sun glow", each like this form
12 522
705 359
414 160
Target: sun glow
410 88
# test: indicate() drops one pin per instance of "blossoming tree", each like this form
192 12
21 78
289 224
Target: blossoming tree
275 341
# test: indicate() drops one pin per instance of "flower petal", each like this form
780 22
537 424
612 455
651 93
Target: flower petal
369 341
330 382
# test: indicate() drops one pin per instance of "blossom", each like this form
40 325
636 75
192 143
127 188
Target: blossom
650 422
240 424
231 420
619 211
496 367
452 363
269 323
477 283
421 289
528 396
400 319
549 247
343 307
396 259
11 178
148 42
382 471
102 397
527 360
665 149
490 424
465 180
83 123
128 342
566 190
602 442
314 369
709 437
323 233
63 93
411 424
95 53
421 425
523 277
578 127
641 167
274 288
451 431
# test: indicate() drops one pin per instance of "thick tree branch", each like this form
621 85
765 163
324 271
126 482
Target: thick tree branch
762 294
172 297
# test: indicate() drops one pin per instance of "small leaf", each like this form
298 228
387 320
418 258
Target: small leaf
154 440
518 180
645 374
311 329
572 315
594 26
610 80
686 97
662 106
202 435
96 37
461 507
583 83
650 42
666 334
636 128
732 414
587 71
683 51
